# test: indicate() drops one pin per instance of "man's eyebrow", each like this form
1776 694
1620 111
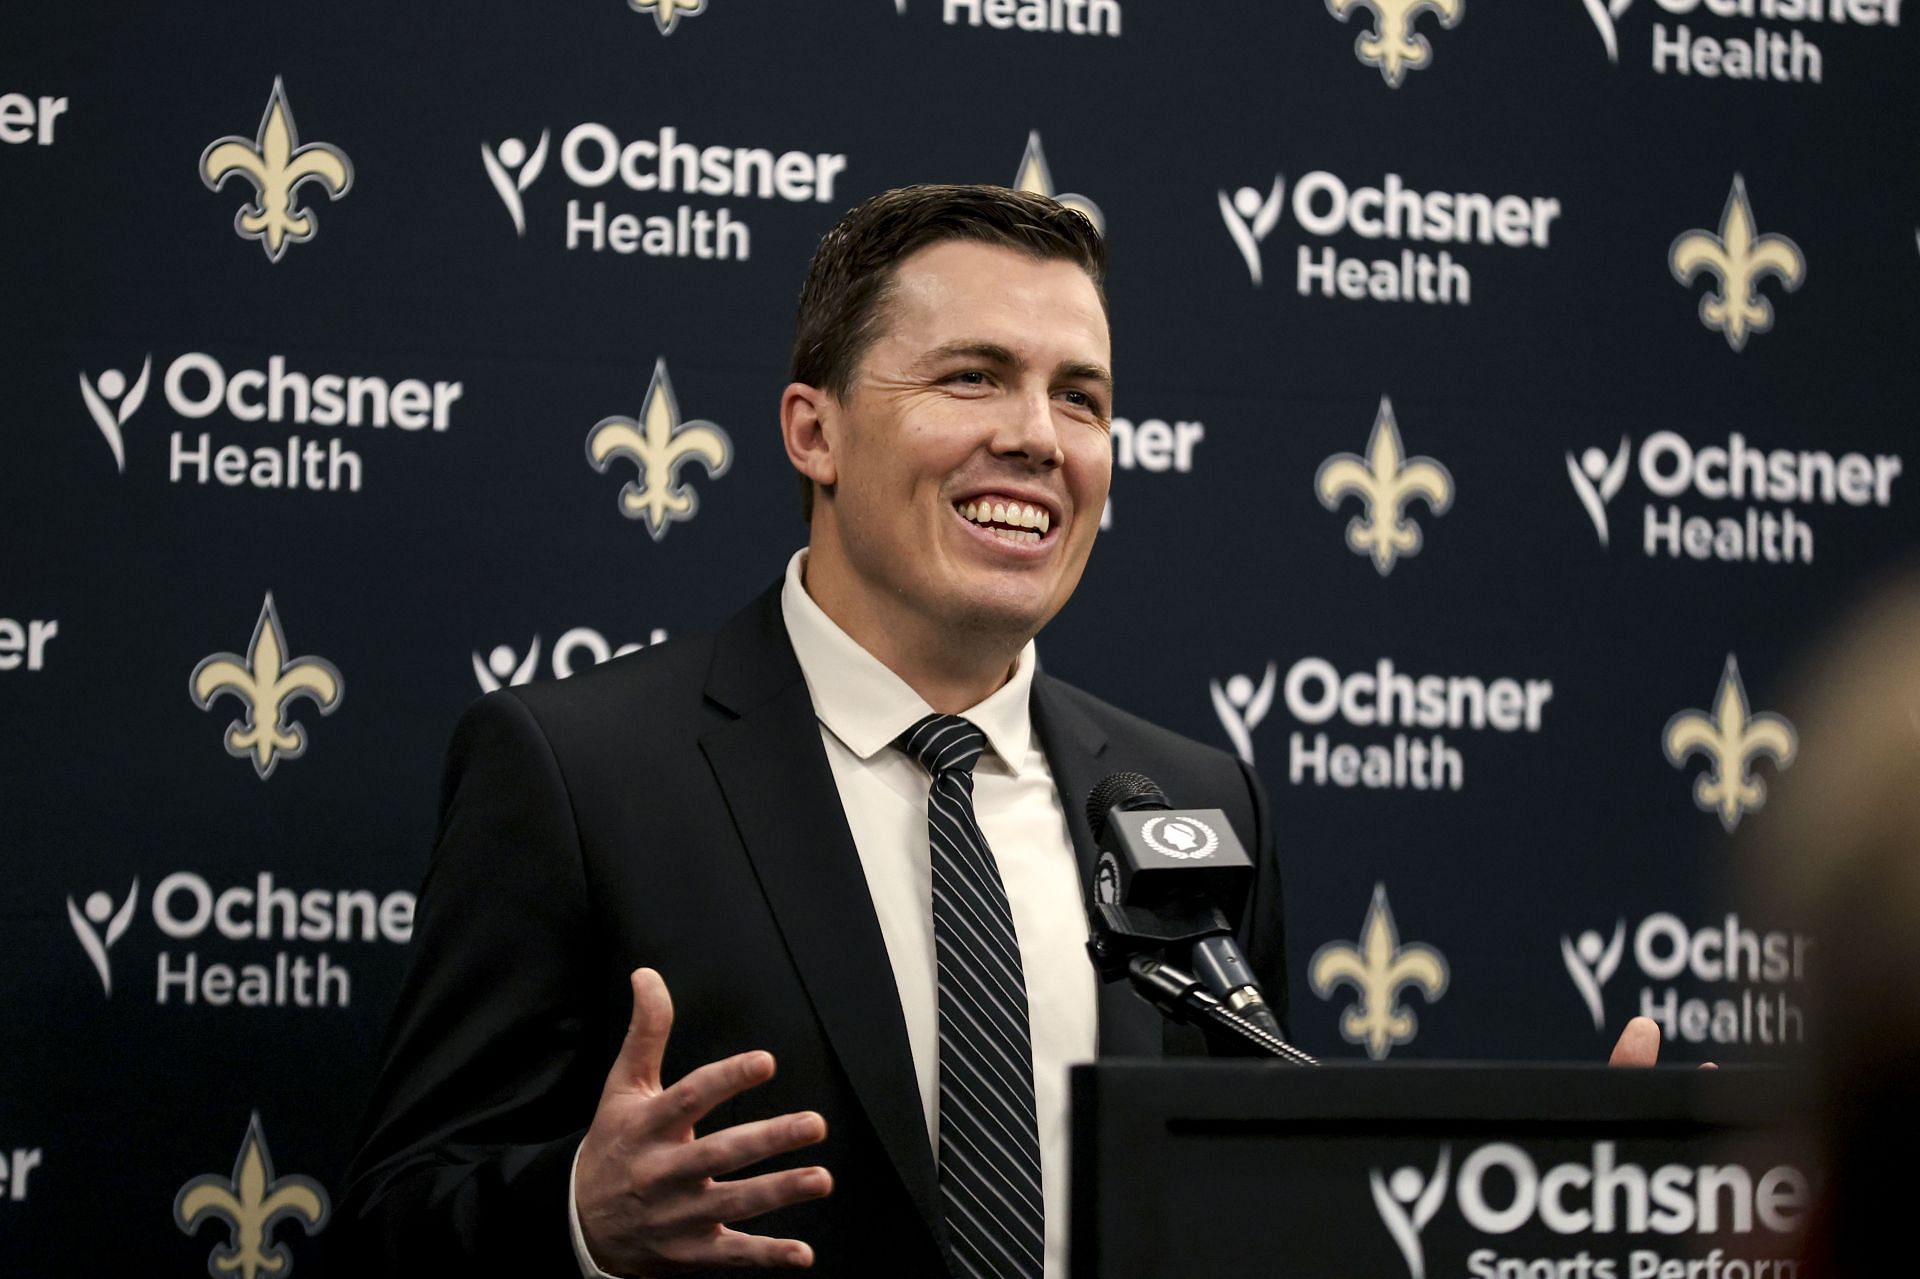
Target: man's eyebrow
1086 372
994 353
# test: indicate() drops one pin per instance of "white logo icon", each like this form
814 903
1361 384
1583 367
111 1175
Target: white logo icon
1407 1202
1249 219
1597 480
1185 839
1241 707
500 668
1592 962
86 924
1605 13
110 417
501 166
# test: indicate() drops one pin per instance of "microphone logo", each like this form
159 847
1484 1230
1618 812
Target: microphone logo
1183 838
1591 962
1597 480
1407 1201
89 919
1249 219
512 170
1241 706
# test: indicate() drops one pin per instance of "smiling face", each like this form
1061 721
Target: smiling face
964 474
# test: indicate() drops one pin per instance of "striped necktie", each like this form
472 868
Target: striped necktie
989 1137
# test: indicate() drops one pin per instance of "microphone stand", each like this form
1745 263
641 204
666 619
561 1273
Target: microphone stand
1126 940
1182 997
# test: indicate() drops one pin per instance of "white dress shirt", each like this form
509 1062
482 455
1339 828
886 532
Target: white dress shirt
863 708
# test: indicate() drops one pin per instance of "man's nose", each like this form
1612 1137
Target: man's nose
1030 433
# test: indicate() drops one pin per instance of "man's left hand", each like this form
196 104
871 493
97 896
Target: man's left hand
1640 1045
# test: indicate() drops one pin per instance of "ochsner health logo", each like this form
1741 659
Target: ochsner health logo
98 926
1500 1189
1591 962
593 157
1407 1201
111 401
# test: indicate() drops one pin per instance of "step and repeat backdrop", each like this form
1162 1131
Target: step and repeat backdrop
1509 394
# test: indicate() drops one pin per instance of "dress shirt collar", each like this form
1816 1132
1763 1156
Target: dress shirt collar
867 706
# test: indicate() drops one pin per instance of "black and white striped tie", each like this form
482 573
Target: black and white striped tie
989 1137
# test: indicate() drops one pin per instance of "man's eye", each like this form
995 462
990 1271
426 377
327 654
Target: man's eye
969 377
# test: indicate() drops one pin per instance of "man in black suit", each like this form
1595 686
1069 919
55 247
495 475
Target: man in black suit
748 814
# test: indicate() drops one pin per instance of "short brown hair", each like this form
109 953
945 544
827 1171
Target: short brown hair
852 271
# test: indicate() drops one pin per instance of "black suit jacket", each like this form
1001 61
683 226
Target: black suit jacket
675 808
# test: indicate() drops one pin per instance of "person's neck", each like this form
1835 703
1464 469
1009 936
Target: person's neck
951 671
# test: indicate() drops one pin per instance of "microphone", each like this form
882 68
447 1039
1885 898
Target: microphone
1170 877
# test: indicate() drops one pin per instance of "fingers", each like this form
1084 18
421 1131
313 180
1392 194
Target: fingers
698 1091
743 1251
731 1149
730 1201
638 1065
1639 1044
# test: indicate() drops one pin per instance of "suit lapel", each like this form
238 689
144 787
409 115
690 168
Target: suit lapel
779 788
1075 744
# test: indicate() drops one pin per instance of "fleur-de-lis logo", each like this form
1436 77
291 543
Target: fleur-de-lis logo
1738 258
667 13
1385 481
1393 45
659 443
251 1204
1035 178
1731 738
266 682
277 166
1378 969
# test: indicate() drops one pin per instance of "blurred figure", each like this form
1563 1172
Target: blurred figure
1842 854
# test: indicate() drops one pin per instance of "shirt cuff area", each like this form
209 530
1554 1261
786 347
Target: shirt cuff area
580 1253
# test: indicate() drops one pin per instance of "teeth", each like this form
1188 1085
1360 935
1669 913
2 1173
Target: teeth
1029 523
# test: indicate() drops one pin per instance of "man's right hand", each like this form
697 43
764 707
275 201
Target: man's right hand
644 1184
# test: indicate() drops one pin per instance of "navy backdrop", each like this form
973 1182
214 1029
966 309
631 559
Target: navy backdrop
1546 366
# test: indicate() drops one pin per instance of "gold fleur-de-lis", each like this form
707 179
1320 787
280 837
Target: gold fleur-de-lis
276 164
667 13
266 683
1035 178
1738 258
1731 738
1378 969
659 443
1393 45
251 1203
1385 481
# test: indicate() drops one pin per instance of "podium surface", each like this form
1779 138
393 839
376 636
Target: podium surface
1229 1168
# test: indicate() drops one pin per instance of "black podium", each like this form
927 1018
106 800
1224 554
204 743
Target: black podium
1227 1168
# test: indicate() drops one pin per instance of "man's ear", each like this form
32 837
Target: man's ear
807 427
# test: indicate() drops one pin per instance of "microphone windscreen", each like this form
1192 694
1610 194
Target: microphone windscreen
1126 791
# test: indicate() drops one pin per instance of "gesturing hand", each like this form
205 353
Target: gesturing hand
644 1184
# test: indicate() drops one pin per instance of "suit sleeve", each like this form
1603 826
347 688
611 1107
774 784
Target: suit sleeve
488 1079
1265 941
